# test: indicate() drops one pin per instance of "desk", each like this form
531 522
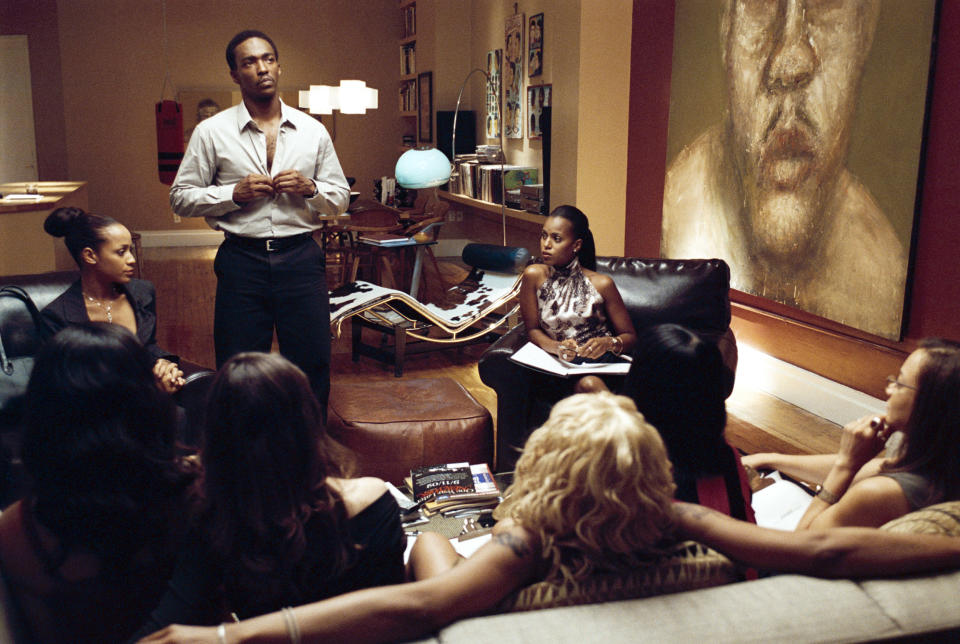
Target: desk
421 247
24 246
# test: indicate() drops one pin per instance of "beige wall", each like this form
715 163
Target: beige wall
113 66
467 29
604 108
111 63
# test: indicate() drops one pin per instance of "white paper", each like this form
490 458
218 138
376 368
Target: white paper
781 505
533 356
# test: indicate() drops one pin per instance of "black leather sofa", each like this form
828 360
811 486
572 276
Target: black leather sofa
22 338
690 292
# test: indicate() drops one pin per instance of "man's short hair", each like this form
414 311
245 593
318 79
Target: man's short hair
241 37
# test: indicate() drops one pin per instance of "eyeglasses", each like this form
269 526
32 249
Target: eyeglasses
892 380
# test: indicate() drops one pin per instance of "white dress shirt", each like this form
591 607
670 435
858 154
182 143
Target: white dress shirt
228 146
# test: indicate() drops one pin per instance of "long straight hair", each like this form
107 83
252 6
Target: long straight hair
932 444
99 446
269 515
676 381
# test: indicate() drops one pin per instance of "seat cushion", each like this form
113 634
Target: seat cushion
409 423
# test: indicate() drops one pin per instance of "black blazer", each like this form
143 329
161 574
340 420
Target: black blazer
69 309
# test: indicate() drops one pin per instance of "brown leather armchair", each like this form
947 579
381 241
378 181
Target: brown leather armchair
691 292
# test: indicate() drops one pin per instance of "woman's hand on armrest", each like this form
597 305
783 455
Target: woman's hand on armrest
169 376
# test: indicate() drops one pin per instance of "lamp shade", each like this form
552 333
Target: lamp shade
422 168
356 97
324 99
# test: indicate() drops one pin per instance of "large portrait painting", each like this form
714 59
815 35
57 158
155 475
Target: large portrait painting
794 149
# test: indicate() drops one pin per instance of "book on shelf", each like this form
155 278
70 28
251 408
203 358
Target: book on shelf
532 356
385 239
454 486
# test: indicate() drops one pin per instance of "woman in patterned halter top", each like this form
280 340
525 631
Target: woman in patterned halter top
568 308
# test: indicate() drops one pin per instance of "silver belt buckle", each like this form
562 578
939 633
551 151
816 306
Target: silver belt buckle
270 247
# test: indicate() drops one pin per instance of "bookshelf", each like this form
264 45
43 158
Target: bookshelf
407 88
486 206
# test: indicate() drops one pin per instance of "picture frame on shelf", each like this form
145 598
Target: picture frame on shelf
425 107
538 97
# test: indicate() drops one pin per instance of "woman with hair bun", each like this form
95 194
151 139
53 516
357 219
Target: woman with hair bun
106 291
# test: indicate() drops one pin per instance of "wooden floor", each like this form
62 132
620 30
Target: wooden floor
186 287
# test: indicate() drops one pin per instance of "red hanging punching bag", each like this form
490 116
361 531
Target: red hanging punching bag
169 140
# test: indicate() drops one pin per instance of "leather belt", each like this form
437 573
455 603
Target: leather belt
269 244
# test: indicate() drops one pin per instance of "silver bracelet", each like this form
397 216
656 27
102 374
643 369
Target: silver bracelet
827 496
221 634
293 628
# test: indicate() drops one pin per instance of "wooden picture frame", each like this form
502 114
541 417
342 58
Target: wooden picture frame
425 107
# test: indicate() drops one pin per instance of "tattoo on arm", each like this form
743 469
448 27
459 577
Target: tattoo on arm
519 547
693 510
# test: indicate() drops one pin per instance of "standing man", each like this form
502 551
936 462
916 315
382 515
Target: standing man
262 172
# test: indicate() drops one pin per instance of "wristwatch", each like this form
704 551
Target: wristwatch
617 345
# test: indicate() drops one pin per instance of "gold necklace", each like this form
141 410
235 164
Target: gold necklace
107 307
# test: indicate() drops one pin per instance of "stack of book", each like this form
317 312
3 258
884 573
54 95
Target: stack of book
454 487
385 239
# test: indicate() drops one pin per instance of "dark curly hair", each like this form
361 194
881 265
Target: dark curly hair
99 445
275 526
80 229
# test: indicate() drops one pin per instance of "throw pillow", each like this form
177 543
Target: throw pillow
685 566
942 519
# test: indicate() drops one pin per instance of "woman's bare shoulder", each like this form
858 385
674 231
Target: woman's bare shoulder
600 281
536 271
359 493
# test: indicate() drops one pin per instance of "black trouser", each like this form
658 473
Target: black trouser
259 290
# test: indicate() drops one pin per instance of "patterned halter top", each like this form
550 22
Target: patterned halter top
570 305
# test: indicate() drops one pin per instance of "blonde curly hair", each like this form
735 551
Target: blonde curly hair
595 485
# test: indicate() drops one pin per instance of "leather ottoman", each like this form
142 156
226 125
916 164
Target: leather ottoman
408 423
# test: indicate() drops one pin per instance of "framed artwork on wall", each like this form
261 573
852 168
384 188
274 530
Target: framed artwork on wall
492 122
513 55
801 170
535 46
425 107
538 97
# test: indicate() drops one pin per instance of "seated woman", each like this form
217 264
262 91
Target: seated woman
591 493
87 552
569 310
676 381
858 488
106 291
279 525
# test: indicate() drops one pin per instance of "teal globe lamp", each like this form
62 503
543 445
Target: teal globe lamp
422 168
